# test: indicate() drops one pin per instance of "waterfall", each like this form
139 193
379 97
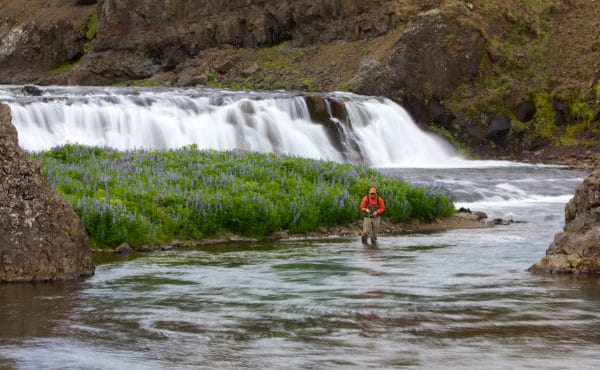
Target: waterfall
369 130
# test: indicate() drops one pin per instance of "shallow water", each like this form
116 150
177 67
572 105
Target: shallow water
456 299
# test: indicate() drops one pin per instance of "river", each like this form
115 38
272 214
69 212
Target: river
454 299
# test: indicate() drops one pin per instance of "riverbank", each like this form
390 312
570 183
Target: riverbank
573 157
460 220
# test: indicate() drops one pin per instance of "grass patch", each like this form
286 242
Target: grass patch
66 67
151 197
91 27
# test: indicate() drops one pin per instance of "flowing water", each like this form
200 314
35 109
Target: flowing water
454 299
369 130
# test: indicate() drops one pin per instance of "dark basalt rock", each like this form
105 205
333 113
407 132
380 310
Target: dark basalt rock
426 61
32 90
498 129
577 248
41 238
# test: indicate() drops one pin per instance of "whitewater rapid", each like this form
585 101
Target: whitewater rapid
374 131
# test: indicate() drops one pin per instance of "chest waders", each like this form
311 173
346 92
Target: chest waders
371 222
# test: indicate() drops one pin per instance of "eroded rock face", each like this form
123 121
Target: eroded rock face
41 238
35 36
577 248
434 55
157 36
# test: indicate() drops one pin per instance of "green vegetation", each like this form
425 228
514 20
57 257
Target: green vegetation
544 118
66 67
308 84
145 83
89 29
152 197
90 32
514 68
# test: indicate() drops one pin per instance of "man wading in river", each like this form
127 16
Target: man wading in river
372 205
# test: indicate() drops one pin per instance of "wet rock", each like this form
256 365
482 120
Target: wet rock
41 238
32 90
466 214
317 108
503 222
321 110
338 110
577 248
124 249
498 129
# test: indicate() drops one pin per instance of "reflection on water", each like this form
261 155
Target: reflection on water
457 299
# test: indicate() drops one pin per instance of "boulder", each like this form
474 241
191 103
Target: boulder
41 238
317 107
577 248
124 248
498 128
32 90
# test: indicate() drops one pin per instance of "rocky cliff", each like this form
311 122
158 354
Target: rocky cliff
41 238
510 78
577 248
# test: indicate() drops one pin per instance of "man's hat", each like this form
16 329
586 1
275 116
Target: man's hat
372 191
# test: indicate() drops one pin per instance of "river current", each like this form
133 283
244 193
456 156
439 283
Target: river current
455 299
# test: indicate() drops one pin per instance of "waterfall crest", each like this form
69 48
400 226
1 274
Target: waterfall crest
342 127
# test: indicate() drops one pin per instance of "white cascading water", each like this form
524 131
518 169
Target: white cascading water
378 132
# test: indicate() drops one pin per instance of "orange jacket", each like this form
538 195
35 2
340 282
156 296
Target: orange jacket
375 202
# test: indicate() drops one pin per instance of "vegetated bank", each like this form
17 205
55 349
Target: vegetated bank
147 197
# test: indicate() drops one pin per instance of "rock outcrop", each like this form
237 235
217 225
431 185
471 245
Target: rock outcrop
138 39
431 58
40 36
41 238
436 53
577 248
